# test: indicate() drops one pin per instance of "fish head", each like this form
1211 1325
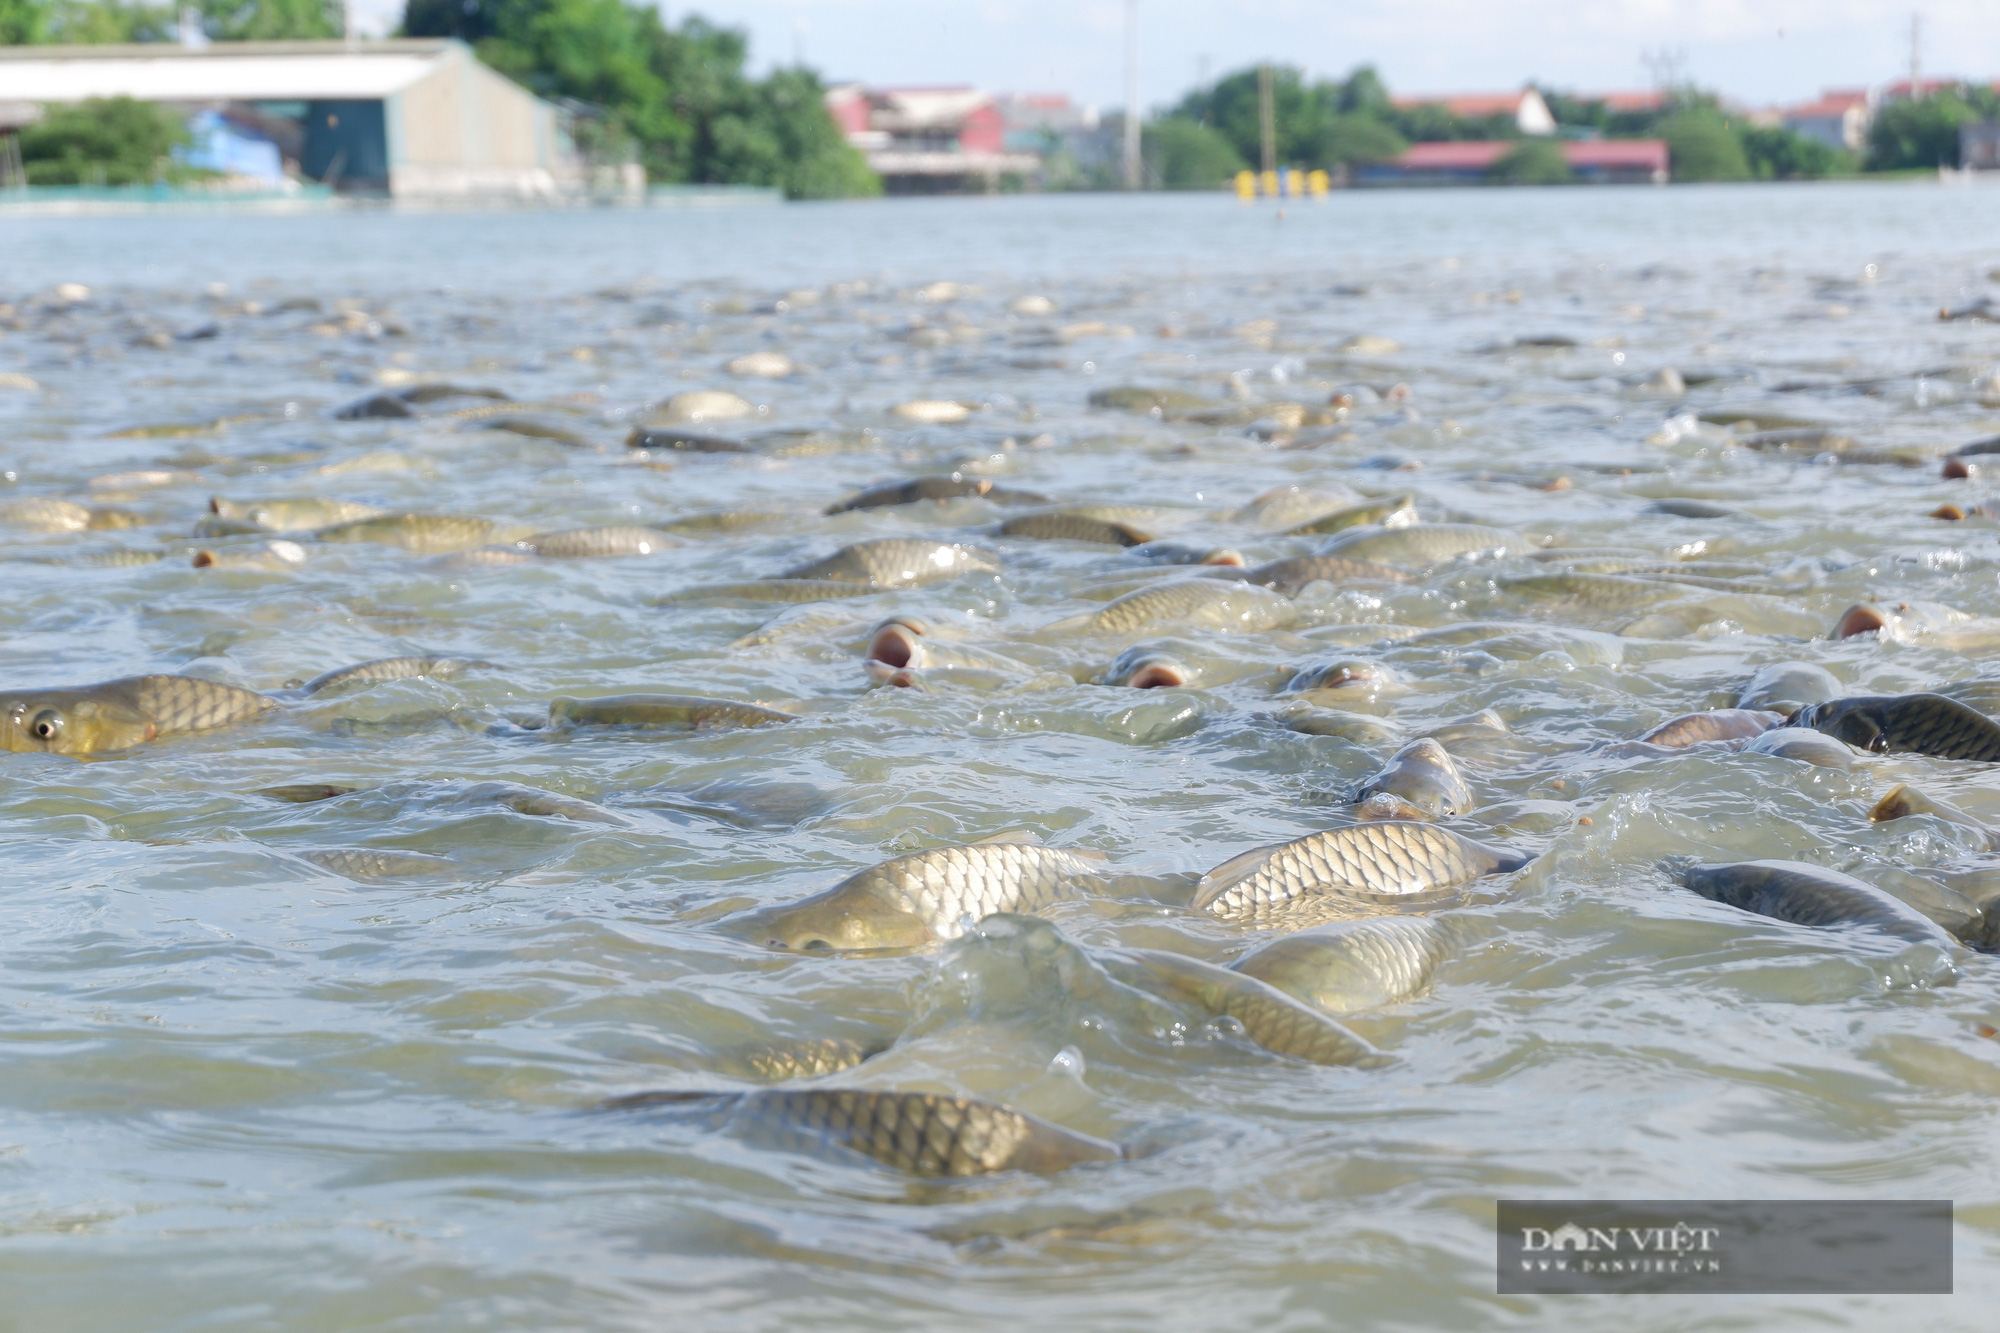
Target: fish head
1852 720
835 922
70 722
1347 674
896 642
1142 668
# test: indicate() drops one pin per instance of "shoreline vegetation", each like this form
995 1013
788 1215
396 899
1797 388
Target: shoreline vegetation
677 100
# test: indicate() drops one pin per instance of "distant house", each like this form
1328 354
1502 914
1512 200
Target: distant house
407 118
1839 119
1526 108
1595 161
1979 145
929 140
1648 101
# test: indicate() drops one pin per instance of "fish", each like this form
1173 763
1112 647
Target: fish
1396 511
1717 724
1062 527
1786 687
1807 747
1604 592
771 590
916 900
1349 966
529 428
1423 775
1310 719
421 394
396 668
725 520
119 714
780 1062
1283 508
1150 402
1899 621
375 406
1691 509
305 793
1177 553
1270 1017
1798 439
1147 667
368 863
525 800
413 532
919 1133
45 514
1213 604
1359 674
1426 543
1903 801
576 543
1366 870
666 712
1291 576
1983 695
685 441
907 641
896 562
274 554
918 489
1927 724
1810 895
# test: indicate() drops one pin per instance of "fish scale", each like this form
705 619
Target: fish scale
922 1133
1353 964
1390 860
1216 603
186 703
1274 1020
895 561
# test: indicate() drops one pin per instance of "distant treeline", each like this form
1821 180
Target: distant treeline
676 99
1215 132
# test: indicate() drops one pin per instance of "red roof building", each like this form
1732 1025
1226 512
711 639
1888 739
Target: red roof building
923 140
1526 108
1839 119
1595 161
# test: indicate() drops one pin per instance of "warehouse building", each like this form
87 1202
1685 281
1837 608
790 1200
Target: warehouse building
411 119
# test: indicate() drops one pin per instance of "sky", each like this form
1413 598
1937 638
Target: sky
1760 52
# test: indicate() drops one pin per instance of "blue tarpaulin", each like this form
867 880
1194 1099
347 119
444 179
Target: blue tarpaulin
220 146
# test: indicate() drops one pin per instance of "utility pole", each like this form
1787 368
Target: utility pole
1267 117
1132 180
1916 57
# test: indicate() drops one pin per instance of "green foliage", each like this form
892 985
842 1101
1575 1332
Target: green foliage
1532 162
1924 132
1786 155
1182 155
105 141
271 20
676 96
1352 137
22 22
1702 145
1230 107
91 22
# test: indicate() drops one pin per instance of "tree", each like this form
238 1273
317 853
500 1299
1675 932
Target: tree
1231 108
1919 132
105 141
271 20
1181 154
21 22
677 96
1784 155
1703 146
1352 137
1532 162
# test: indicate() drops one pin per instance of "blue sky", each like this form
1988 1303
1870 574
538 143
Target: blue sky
1760 51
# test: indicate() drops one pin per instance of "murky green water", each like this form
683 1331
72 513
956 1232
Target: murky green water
241 1091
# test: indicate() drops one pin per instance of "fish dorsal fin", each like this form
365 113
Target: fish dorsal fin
1231 872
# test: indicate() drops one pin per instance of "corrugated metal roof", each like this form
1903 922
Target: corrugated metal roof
225 71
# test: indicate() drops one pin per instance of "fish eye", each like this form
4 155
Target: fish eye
816 946
46 725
